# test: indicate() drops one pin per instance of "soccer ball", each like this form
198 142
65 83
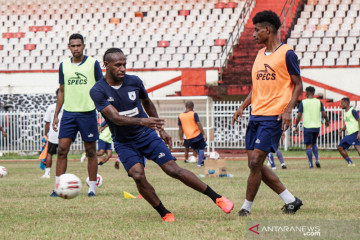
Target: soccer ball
68 186
214 155
3 171
99 180
192 159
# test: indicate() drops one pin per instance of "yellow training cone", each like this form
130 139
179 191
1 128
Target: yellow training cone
128 195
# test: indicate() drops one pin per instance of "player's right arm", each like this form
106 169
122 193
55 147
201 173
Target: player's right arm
112 114
60 99
239 112
181 132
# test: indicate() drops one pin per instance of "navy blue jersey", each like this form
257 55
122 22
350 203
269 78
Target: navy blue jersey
127 101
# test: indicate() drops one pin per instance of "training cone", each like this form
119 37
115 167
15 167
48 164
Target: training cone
139 196
128 195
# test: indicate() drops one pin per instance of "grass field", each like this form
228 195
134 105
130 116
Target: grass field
27 211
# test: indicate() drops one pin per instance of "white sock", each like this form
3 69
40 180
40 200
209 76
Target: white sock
92 185
247 205
283 164
287 197
56 179
47 171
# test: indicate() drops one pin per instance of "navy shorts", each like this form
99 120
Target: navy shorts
52 149
151 147
310 137
85 122
198 145
186 143
349 140
102 145
263 135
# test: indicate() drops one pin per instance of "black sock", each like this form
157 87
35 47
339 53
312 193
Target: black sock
161 210
211 194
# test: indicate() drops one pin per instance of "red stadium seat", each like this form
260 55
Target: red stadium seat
34 29
163 44
1 47
139 14
19 35
46 28
220 42
29 47
231 5
184 12
8 35
115 20
220 5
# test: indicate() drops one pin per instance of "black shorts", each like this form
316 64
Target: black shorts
52 149
186 143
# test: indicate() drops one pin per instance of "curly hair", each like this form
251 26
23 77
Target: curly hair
267 17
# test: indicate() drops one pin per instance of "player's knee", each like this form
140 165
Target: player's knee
340 148
138 176
255 164
62 151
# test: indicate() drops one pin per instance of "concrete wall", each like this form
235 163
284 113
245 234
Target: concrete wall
346 79
47 82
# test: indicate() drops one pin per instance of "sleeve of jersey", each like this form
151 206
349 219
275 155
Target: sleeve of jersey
300 107
196 116
322 107
47 117
355 114
142 92
98 71
99 99
292 63
61 75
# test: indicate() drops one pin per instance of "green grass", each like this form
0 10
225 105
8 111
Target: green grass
27 211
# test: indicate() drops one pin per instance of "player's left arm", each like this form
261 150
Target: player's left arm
324 115
98 72
293 68
150 109
356 116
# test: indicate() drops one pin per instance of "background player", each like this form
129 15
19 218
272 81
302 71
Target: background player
310 109
52 135
76 77
125 105
275 69
190 125
352 123
104 143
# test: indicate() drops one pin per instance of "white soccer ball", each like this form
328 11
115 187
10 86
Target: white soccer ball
192 159
99 180
3 171
68 186
214 155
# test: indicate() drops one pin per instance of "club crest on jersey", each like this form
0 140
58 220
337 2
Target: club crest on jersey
267 74
132 95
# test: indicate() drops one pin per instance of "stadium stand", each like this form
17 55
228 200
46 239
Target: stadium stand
174 34
327 33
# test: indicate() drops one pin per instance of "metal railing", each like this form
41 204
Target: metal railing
25 129
286 12
235 35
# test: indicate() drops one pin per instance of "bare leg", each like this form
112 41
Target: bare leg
357 147
100 152
49 160
272 180
343 152
61 163
186 153
185 176
256 160
107 156
145 188
90 149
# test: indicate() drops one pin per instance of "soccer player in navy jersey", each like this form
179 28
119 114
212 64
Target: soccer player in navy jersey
133 119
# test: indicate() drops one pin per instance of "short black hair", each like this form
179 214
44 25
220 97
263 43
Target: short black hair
346 99
189 104
57 91
76 36
310 89
267 16
112 50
